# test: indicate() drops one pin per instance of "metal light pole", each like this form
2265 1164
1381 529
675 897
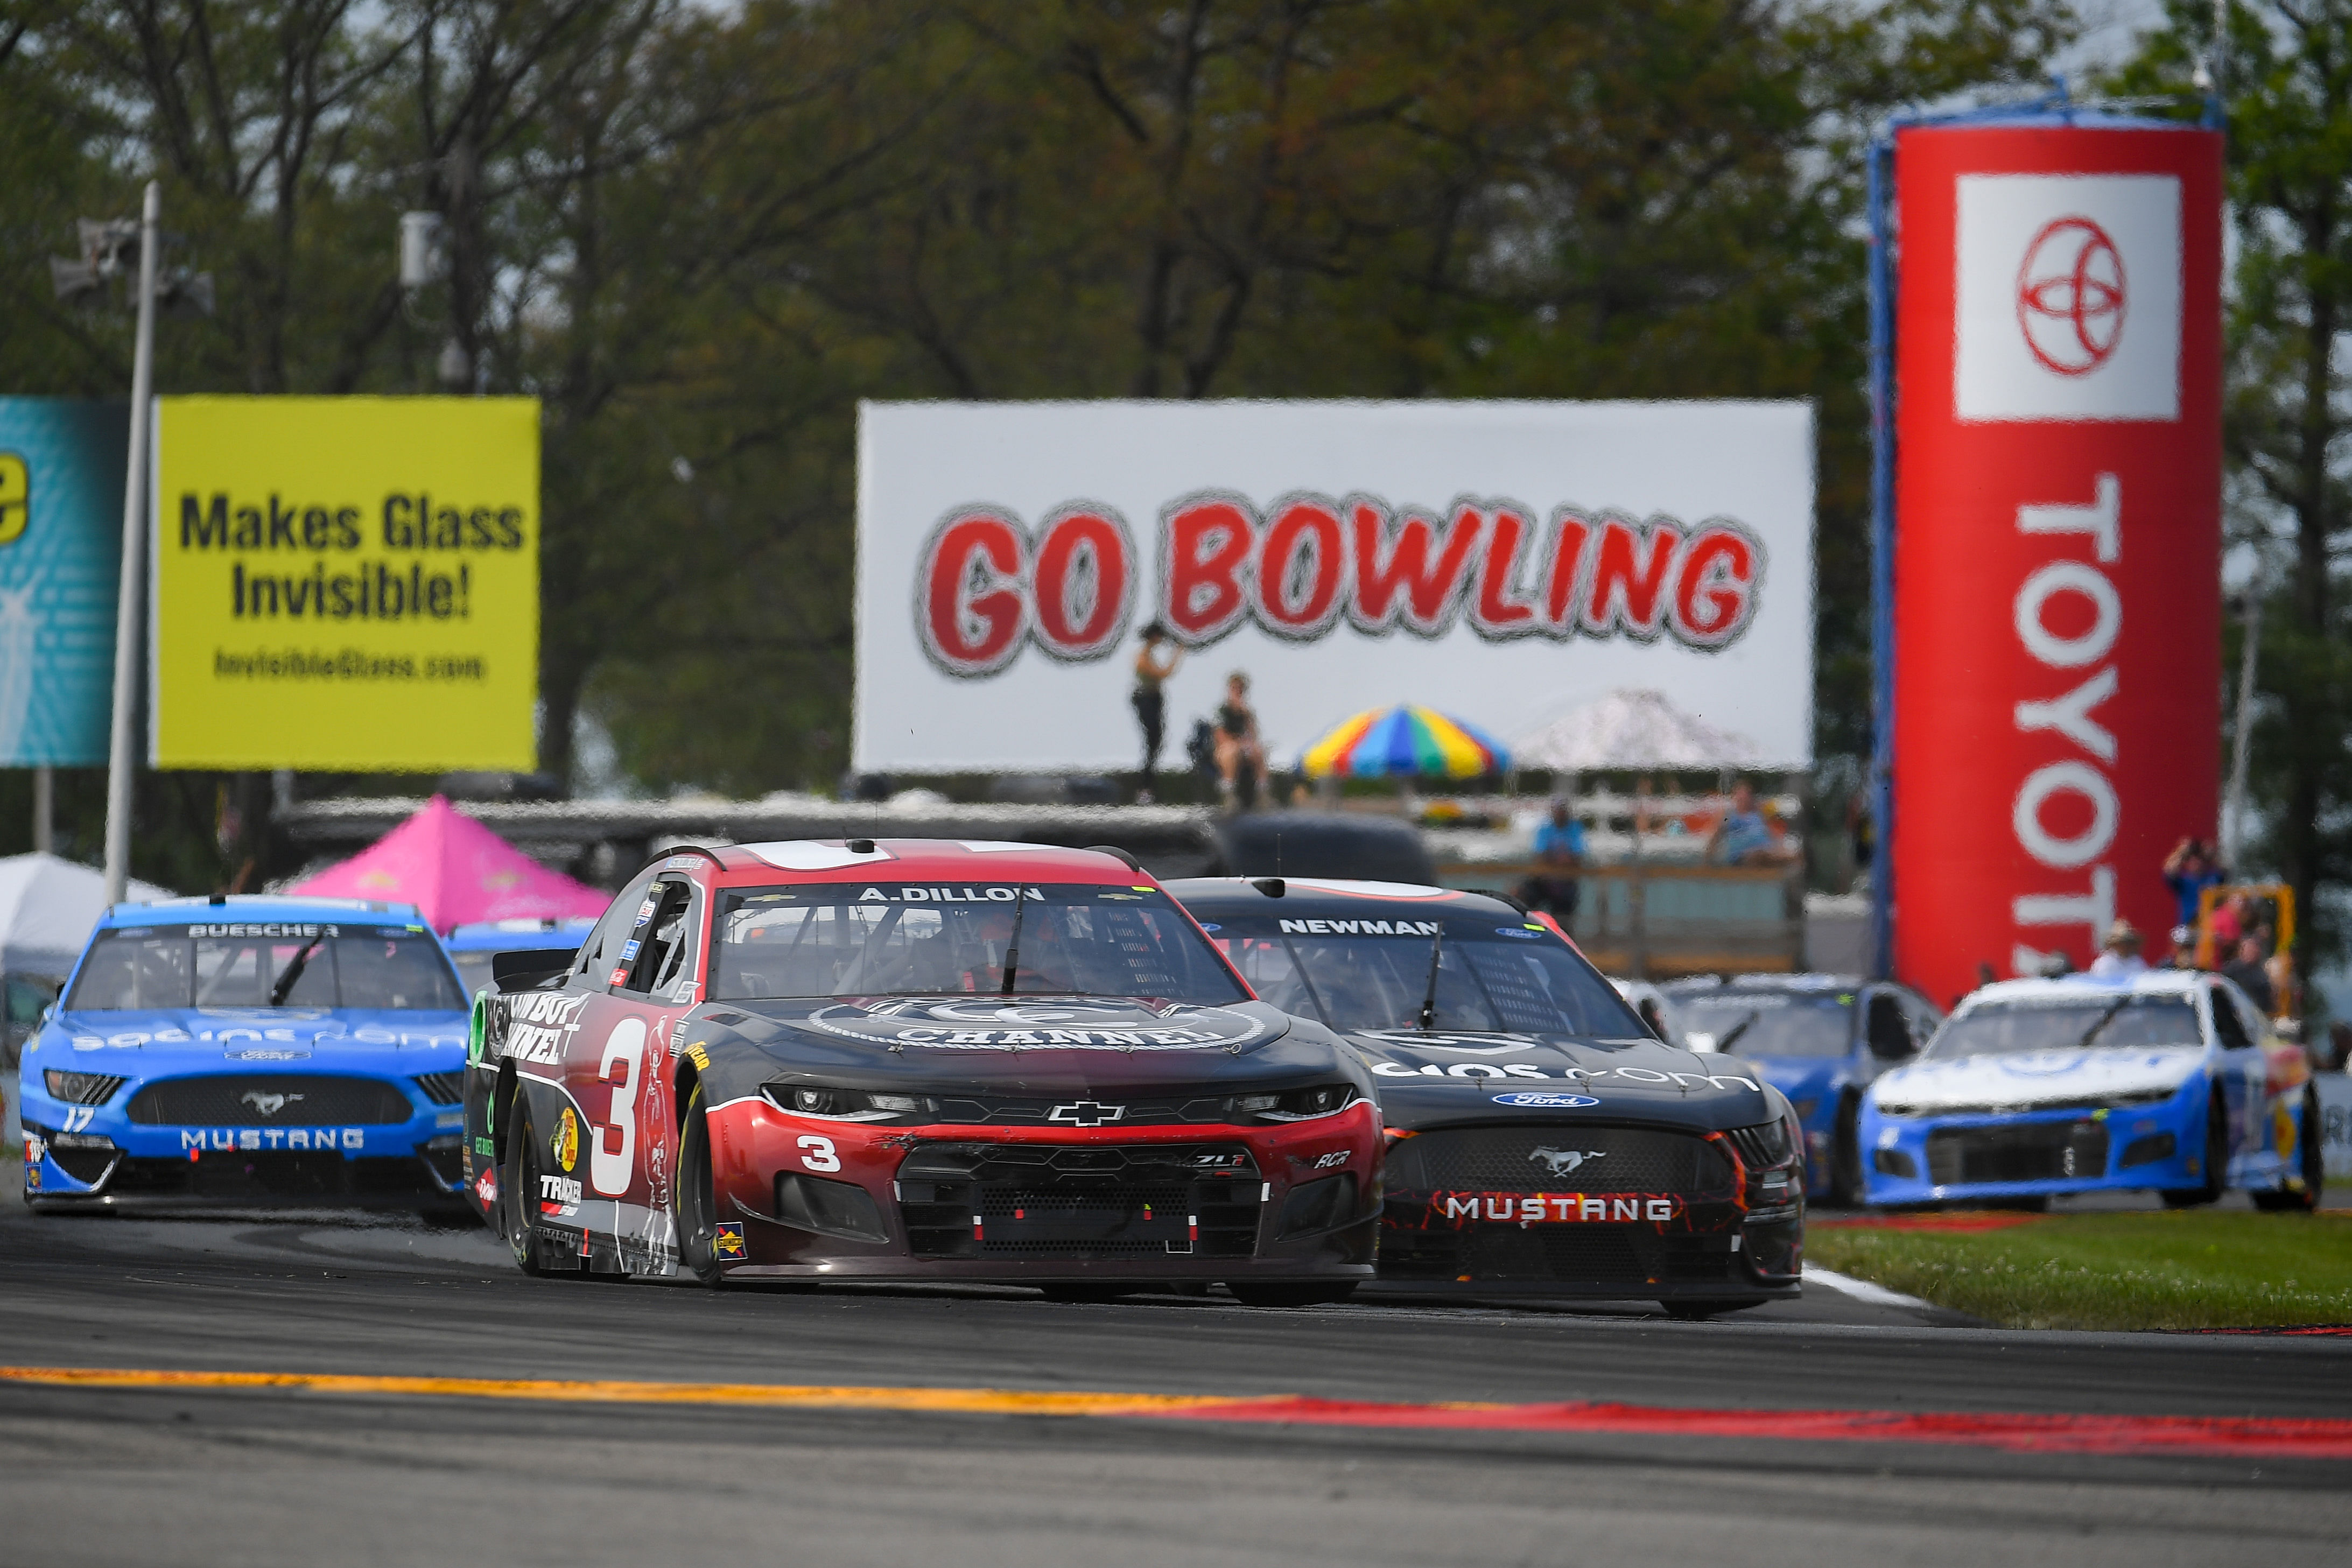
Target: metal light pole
135 541
2233 803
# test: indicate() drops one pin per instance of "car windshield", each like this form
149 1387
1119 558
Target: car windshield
265 965
840 939
1525 982
2096 1018
1768 1024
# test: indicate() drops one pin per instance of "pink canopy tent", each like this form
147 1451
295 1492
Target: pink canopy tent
455 871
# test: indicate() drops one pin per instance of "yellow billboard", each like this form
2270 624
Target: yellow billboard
345 584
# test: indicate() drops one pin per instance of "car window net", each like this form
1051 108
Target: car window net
1768 1024
1075 940
128 970
2097 1021
1530 986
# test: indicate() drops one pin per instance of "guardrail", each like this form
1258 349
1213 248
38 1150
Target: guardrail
1656 921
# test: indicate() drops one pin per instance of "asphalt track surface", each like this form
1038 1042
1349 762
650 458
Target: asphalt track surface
854 1425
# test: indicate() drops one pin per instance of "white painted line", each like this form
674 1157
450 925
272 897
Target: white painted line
1862 1289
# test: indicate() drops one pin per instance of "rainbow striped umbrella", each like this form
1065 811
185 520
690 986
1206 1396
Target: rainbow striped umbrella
1405 741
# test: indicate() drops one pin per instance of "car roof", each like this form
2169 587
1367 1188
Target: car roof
503 934
2076 987
244 908
909 860
1309 897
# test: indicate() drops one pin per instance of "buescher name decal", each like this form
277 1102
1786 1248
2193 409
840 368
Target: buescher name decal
1301 567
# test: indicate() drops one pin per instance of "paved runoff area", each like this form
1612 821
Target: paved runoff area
310 1389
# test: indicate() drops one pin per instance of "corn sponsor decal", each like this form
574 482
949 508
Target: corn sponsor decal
564 1142
346 583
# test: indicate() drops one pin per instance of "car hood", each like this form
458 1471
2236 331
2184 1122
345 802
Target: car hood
1453 1075
2025 1079
1030 1044
167 1038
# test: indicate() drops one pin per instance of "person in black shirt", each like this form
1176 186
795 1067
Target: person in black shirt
1152 669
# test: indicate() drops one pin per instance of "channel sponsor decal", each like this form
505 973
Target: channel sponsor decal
1040 1025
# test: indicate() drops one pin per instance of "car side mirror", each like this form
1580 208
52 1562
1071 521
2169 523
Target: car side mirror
1890 1036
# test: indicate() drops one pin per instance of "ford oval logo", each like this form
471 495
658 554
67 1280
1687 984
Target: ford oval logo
1564 1102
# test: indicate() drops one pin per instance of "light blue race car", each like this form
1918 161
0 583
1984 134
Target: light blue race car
250 1051
2169 1082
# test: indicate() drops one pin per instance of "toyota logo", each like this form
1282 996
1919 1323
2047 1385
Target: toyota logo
2070 296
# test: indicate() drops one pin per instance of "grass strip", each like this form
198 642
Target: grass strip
2196 1270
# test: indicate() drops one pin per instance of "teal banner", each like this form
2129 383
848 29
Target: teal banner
62 462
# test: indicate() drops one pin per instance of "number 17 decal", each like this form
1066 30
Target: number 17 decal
609 1169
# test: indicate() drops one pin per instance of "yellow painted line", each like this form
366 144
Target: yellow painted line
1001 1401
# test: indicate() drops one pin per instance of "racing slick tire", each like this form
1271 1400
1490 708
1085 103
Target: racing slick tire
2313 1163
2217 1162
698 1208
518 1180
1700 1309
1847 1190
1317 1293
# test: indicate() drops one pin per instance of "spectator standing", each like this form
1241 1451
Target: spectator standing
2247 969
2184 948
2189 870
2120 957
1153 668
1559 855
1743 837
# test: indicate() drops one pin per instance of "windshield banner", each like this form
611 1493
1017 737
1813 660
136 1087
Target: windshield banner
345 582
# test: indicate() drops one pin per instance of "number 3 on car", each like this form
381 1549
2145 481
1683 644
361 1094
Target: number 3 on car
818 1155
609 1169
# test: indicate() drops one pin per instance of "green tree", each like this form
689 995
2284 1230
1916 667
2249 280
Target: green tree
2284 74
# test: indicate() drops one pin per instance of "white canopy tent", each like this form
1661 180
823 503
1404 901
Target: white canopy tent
1631 729
48 906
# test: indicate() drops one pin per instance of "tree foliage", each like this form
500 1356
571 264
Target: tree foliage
700 234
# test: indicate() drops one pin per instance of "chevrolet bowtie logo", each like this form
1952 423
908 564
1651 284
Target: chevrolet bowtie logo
1087 1114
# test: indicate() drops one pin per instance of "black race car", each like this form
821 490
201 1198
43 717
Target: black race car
916 1060
1541 1140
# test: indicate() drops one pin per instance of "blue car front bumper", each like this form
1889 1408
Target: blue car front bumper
96 1156
1960 1156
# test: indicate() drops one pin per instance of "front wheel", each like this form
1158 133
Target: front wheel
698 1208
2217 1162
1319 1294
1845 1158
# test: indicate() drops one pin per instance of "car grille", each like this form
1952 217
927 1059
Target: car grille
2032 1151
234 1174
1141 1109
441 1088
1572 1159
1581 1255
1109 1202
238 1100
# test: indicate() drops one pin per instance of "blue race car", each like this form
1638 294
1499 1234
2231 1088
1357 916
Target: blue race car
249 1051
1818 1039
474 945
2168 1081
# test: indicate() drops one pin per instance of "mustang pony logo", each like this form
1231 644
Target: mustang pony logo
1560 1162
564 1142
267 1104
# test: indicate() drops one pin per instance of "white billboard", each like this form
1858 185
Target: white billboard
1500 562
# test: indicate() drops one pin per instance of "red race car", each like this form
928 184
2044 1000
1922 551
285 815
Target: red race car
916 1060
